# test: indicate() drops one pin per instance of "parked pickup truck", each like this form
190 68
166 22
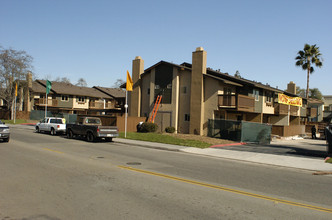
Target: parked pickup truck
52 125
91 129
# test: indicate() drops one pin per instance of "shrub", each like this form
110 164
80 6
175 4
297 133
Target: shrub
170 129
149 127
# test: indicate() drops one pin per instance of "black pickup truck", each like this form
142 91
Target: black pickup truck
91 129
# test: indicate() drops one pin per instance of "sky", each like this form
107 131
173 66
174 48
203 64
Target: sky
97 40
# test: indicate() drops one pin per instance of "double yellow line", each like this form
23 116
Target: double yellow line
276 200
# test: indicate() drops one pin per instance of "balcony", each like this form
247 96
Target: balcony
312 112
50 102
237 102
282 109
100 105
294 110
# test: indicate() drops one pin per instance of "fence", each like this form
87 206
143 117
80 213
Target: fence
241 131
38 115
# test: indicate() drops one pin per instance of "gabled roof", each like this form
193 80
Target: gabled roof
228 79
69 89
39 88
114 92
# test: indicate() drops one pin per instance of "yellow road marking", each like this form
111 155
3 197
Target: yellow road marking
53 150
276 200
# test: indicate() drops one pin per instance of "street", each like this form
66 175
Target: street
52 177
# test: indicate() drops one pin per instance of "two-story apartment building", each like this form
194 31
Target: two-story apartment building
68 98
192 94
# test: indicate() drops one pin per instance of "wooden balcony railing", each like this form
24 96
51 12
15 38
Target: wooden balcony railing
281 109
312 112
294 110
238 102
50 102
100 105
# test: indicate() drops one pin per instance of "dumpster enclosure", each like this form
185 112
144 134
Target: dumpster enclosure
240 131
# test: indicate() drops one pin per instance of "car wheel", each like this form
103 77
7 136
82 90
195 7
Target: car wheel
53 132
37 130
90 137
6 140
70 134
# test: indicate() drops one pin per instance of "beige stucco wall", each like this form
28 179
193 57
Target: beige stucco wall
82 105
267 109
211 87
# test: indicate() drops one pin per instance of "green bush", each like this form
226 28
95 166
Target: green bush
149 127
170 129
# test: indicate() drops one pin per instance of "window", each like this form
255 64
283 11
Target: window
256 94
80 99
148 91
64 98
268 96
184 90
186 117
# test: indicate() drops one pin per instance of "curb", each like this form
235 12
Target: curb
225 145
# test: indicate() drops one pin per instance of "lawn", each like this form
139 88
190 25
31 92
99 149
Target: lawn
163 138
17 121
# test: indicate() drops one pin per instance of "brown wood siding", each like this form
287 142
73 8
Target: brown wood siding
286 131
245 103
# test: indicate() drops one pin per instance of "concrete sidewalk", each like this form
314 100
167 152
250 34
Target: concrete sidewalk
304 163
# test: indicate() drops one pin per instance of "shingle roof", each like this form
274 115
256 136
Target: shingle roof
114 92
69 89
224 76
38 88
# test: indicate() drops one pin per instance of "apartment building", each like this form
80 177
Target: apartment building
68 98
193 93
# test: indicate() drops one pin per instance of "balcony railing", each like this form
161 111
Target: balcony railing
294 110
238 102
50 102
282 109
100 105
312 112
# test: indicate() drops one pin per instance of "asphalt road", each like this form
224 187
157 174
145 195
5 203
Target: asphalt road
51 177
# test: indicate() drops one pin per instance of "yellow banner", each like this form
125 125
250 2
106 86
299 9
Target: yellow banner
287 100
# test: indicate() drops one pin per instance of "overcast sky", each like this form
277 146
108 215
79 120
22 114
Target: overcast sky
98 39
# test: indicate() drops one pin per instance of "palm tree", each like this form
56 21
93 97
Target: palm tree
307 57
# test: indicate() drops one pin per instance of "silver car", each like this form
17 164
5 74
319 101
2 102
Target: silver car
4 132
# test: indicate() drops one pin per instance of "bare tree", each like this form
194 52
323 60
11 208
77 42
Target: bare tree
14 66
118 83
62 79
81 82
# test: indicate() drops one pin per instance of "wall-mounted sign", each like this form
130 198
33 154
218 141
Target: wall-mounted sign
287 100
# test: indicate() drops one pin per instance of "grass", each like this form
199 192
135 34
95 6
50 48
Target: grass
166 139
17 121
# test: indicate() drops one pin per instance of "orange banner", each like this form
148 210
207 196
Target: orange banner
287 100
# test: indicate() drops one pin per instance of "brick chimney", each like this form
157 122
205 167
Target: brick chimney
196 96
135 97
